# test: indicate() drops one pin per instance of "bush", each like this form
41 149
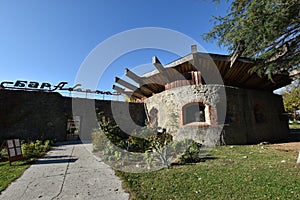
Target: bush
192 153
35 149
3 154
153 142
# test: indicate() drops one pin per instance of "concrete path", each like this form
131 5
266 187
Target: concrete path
67 172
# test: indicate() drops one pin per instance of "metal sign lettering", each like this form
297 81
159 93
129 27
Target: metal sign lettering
33 85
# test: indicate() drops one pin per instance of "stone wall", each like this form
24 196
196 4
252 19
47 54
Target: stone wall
128 116
170 103
251 116
240 116
32 115
254 116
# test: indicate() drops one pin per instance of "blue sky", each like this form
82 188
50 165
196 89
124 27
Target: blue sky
48 40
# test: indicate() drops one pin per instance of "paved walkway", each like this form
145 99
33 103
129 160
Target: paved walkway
67 172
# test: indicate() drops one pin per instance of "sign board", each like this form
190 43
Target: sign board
14 150
35 86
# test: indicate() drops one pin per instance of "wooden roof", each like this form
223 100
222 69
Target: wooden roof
233 73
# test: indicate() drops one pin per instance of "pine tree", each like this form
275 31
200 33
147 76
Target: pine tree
266 30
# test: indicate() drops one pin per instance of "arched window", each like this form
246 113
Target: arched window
193 112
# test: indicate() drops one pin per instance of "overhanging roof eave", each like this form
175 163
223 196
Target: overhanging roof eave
190 57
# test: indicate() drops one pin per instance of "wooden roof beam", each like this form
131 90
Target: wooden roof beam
130 86
158 64
134 77
121 90
138 80
127 93
146 89
160 68
125 84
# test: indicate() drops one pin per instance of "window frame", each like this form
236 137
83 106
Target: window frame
185 112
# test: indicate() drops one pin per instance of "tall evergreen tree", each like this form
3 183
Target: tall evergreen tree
266 30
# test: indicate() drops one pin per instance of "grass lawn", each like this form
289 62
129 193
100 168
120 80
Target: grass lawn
230 172
9 173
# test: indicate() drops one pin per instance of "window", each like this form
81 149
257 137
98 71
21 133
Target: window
193 112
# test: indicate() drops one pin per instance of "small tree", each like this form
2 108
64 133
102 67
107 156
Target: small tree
159 142
291 99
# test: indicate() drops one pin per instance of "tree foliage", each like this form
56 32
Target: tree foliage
266 30
291 98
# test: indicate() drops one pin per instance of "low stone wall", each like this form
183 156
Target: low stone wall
31 115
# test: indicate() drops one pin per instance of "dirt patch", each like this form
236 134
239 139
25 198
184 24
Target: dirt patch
287 146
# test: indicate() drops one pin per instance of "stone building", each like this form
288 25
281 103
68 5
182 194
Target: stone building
204 97
211 98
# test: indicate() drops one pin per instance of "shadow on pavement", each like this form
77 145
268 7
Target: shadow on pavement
55 161
52 157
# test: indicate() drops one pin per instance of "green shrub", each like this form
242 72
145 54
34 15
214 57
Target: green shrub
192 153
154 143
35 149
3 154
